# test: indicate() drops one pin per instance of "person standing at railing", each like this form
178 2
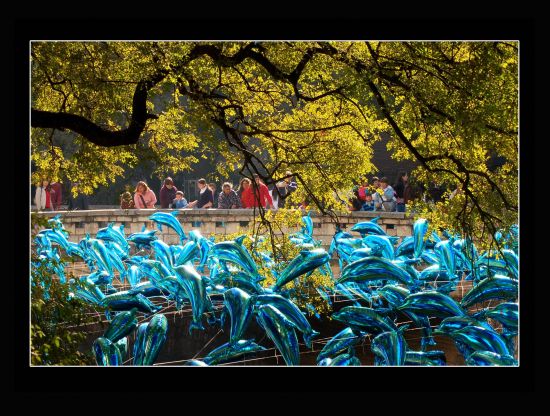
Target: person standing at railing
212 187
179 201
57 199
285 188
144 197
402 191
262 197
206 199
388 195
167 193
245 193
228 198
43 196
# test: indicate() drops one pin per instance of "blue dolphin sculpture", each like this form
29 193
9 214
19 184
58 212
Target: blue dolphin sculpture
170 220
390 348
339 342
240 308
106 353
306 261
281 331
290 311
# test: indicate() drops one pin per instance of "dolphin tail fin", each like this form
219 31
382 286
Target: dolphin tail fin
308 336
239 240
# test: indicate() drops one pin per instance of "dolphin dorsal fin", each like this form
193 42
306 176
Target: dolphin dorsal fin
143 228
175 213
111 224
239 240
375 220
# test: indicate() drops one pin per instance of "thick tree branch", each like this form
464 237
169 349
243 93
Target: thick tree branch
92 131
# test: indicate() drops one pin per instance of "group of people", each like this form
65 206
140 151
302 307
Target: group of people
49 197
246 196
377 196
381 196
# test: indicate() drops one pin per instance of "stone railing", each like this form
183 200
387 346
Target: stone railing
216 221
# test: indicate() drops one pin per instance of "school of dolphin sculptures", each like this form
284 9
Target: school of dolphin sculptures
384 279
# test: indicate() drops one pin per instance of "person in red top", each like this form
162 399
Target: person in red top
245 193
57 195
263 197
362 191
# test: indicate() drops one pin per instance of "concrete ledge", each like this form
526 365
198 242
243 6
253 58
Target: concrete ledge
219 221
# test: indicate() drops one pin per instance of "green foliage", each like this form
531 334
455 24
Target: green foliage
279 247
314 108
55 316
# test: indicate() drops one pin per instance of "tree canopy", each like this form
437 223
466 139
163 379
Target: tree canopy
314 108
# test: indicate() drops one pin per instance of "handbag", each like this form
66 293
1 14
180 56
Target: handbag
143 201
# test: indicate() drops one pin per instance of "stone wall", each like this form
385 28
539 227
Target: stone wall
218 221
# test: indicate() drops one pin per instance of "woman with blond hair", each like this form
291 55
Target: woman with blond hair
144 197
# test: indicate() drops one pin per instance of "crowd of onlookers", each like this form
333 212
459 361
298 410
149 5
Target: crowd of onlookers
378 195
247 195
49 197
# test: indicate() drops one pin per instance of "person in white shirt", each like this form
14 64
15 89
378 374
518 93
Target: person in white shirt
43 198
388 198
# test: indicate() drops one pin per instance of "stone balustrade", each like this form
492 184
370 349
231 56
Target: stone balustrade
217 221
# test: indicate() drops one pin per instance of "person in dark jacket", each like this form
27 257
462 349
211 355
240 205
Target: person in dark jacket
167 193
212 187
285 188
402 191
206 199
80 202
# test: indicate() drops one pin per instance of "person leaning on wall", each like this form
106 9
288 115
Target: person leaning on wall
144 197
228 198
206 198
167 193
